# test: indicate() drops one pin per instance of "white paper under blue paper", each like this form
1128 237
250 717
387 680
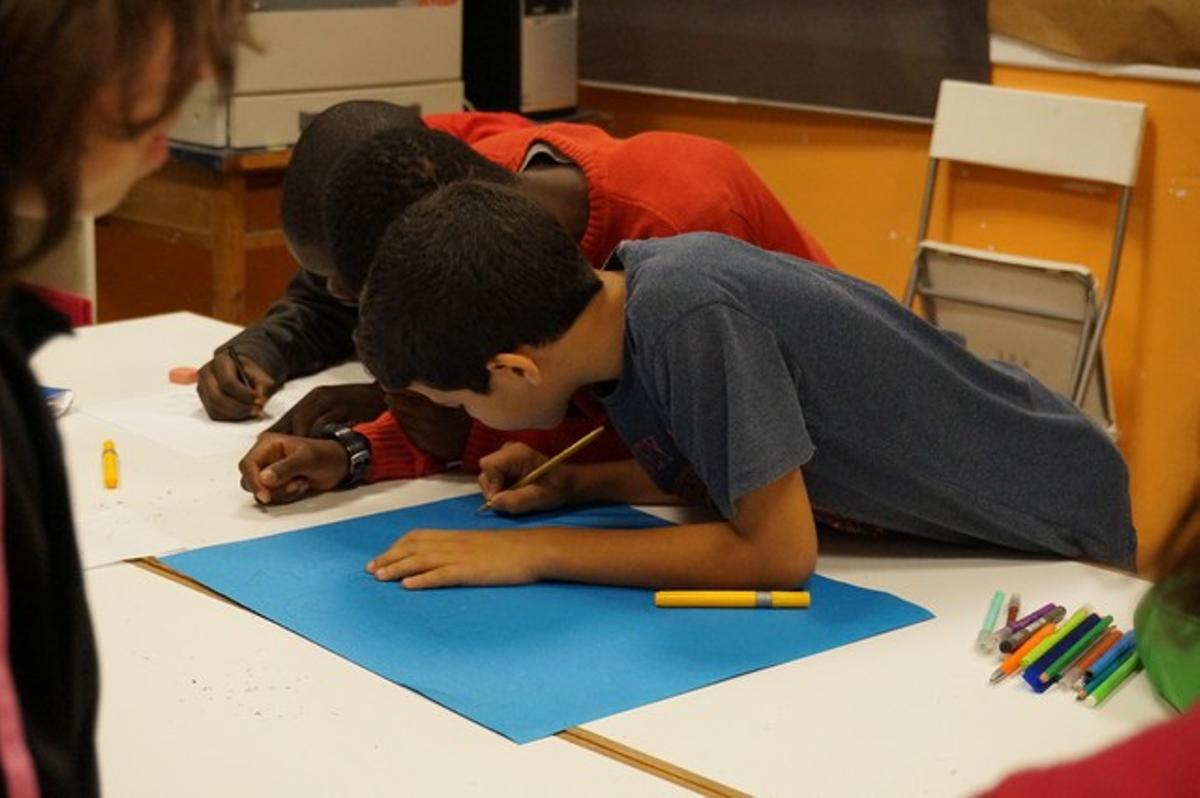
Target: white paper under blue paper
524 661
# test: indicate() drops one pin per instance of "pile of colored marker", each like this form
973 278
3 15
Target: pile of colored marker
1085 653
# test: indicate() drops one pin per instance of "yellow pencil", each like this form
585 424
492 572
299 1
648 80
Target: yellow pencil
553 462
778 599
108 465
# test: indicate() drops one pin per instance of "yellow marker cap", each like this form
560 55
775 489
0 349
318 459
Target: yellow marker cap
108 465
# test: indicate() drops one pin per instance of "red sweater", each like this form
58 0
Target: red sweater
1161 761
647 186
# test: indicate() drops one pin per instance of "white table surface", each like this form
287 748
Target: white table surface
198 498
202 698
906 713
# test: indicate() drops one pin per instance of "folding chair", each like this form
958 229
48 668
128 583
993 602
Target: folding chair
1040 314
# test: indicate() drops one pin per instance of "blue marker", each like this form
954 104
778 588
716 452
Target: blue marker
1104 666
1033 673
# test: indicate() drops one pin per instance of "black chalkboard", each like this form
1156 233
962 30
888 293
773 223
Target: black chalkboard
879 56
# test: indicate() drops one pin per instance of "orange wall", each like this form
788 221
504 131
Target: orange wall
856 184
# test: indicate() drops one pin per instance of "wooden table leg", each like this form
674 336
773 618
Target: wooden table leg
228 256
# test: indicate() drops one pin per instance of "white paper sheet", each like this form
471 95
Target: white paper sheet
176 419
115 531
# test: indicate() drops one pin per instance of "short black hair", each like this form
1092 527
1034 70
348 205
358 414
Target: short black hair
329 136
472 270
380 178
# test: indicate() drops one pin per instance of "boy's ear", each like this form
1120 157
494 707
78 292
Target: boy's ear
521 366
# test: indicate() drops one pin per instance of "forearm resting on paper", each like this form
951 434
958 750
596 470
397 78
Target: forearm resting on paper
769 544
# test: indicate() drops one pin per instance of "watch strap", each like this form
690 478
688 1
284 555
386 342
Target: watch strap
358 451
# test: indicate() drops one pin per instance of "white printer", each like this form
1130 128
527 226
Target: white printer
310 54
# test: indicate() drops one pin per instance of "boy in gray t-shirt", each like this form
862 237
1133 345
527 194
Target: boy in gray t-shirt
749 379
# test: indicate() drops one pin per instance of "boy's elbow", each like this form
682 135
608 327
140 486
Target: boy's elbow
786 570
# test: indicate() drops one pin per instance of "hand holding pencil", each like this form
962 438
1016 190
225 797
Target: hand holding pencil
425 558
541 484
233 387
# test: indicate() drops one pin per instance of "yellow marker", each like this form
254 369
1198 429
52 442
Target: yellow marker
536 474
108 462
777 599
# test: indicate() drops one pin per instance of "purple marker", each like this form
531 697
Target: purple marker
1018 638
1021 623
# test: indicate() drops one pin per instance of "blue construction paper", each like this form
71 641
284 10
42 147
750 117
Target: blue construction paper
525 661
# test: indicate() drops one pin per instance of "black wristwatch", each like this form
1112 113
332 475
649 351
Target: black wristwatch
358 451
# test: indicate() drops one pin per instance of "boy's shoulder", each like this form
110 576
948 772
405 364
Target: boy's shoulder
669 278
665 275
686 261
703 264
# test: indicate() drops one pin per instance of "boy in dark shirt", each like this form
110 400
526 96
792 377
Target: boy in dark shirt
601 189
339 194
747 379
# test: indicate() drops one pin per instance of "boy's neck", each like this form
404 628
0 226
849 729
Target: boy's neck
592 350
563 191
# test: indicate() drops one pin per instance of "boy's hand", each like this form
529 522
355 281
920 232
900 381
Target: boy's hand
506 467
436 430
224 396
331 404
435 558
283 468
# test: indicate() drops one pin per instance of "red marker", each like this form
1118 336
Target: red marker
1014 606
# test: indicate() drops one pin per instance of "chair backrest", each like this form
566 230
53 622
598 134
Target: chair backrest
1048 134
1029 131
1030 312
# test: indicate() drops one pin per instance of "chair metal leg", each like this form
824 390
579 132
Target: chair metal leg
922 229
1110 284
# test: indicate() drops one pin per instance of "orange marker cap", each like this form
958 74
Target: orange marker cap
1014 659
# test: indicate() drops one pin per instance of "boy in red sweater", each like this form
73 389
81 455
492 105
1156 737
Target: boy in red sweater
602 189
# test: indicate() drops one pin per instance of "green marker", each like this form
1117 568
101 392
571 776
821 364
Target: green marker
984 640
1051 641
1123 672
1071 654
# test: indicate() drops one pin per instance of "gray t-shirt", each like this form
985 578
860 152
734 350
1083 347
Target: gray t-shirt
742 365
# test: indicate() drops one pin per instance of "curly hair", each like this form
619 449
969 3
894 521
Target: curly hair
328 137
472 270
378 180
